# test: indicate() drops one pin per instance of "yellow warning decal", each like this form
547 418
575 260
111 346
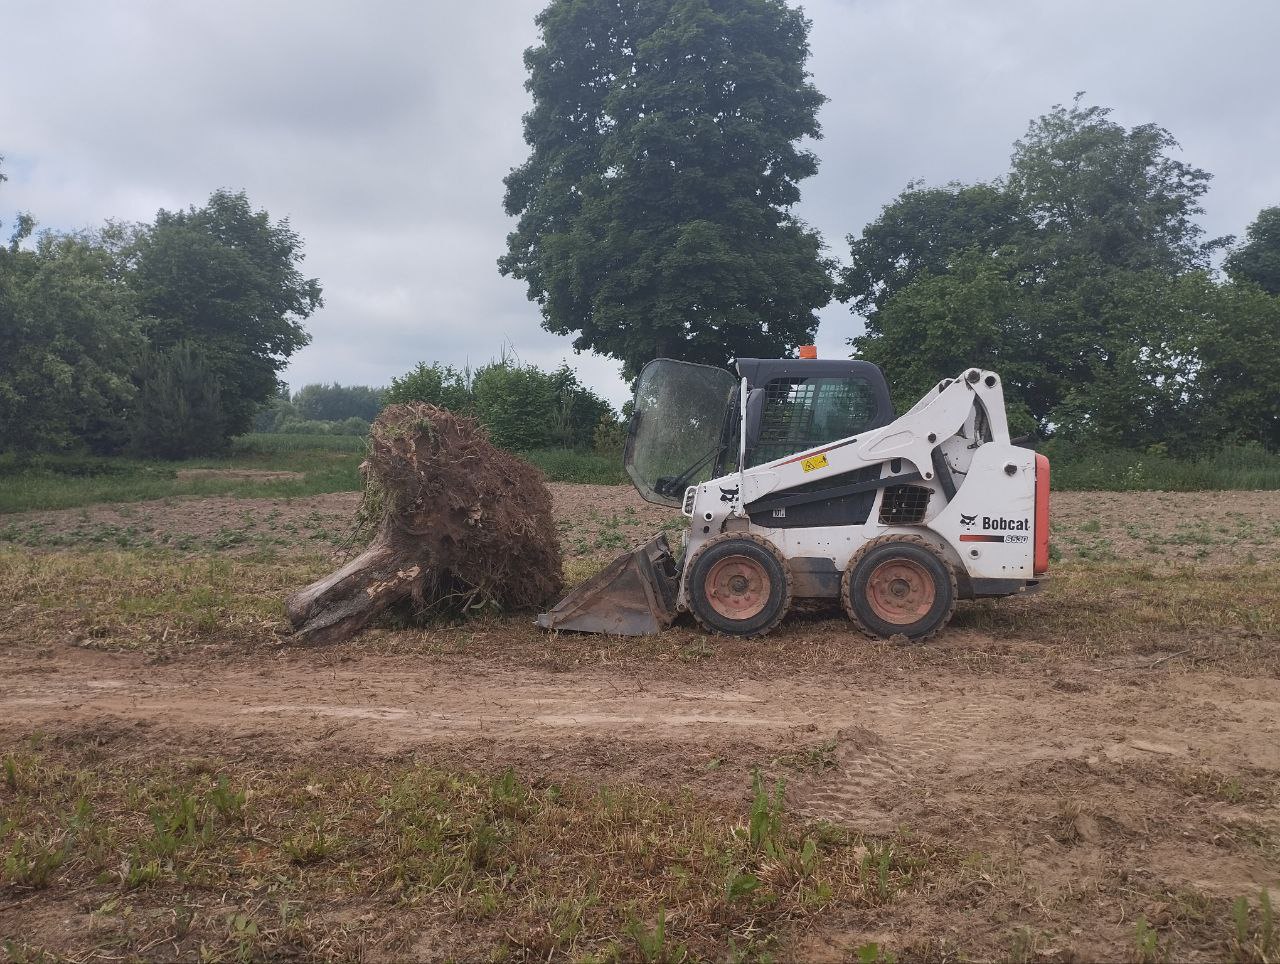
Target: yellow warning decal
814 462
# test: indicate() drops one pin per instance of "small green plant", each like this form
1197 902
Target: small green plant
227 802
652 942
1146 941
507 795
481 844
1255 943
764 827
876 865
873 953
178 824
309 847
245 931
740 884
809 857
11 774
140 872
32 861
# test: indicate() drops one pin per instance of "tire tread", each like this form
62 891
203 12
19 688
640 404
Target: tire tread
765 544
846 582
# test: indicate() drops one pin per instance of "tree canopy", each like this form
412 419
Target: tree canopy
226 278
654 207
1258 259
1083 277
69 339
333 403
163 338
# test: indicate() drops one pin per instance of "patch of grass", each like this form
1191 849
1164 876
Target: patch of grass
318 464
1219 618
500 867
573 465
330 464
162 603
1104 469
1256 937
151 601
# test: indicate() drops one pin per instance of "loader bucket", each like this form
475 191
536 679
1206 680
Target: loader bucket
634 595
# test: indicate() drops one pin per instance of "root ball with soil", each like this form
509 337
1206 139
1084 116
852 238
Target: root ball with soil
459 525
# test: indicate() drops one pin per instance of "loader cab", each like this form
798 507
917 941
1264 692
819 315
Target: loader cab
795 404
688 418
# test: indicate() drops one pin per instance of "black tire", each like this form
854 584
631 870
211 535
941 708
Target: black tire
870 591
732 558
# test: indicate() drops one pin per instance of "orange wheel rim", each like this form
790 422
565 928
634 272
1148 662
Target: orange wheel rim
901 592
737 587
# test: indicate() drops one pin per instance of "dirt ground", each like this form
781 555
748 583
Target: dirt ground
1075 789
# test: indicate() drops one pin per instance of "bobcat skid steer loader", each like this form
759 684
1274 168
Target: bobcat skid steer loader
799 481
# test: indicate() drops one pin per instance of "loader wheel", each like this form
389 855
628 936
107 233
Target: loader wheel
739 585
899 585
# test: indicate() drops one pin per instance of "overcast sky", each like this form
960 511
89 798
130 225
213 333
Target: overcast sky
383 130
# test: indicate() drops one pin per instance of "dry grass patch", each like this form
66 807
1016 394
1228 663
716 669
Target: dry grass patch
1140 616
223 860
135 600
1208 617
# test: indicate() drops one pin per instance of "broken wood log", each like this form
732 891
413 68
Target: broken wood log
459 526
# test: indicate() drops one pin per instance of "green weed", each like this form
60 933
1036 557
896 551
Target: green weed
1146 942
1256 939
34 858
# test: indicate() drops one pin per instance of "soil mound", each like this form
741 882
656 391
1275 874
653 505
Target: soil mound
458 525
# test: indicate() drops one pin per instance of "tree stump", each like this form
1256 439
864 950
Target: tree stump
460 525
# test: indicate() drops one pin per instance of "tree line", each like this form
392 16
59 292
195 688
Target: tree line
160 339
524 407
167 339
655 217
1082 276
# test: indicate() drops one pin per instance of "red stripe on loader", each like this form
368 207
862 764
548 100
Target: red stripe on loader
1042 515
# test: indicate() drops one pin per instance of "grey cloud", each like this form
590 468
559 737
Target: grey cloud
383 131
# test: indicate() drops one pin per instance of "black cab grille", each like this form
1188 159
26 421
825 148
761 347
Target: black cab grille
904 505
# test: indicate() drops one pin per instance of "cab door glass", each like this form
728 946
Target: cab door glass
801 413
682 430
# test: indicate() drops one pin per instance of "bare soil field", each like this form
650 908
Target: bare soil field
1091 772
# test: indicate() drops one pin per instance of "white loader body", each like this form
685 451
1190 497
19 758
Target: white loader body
896 517
986 530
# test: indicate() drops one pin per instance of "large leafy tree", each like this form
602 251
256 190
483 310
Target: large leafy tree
1083 277
1115 196
226 279
69 336
1258 259
655 206
923 231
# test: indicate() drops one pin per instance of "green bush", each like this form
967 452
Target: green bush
517 404
522 406
610 436
179 410
436 384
